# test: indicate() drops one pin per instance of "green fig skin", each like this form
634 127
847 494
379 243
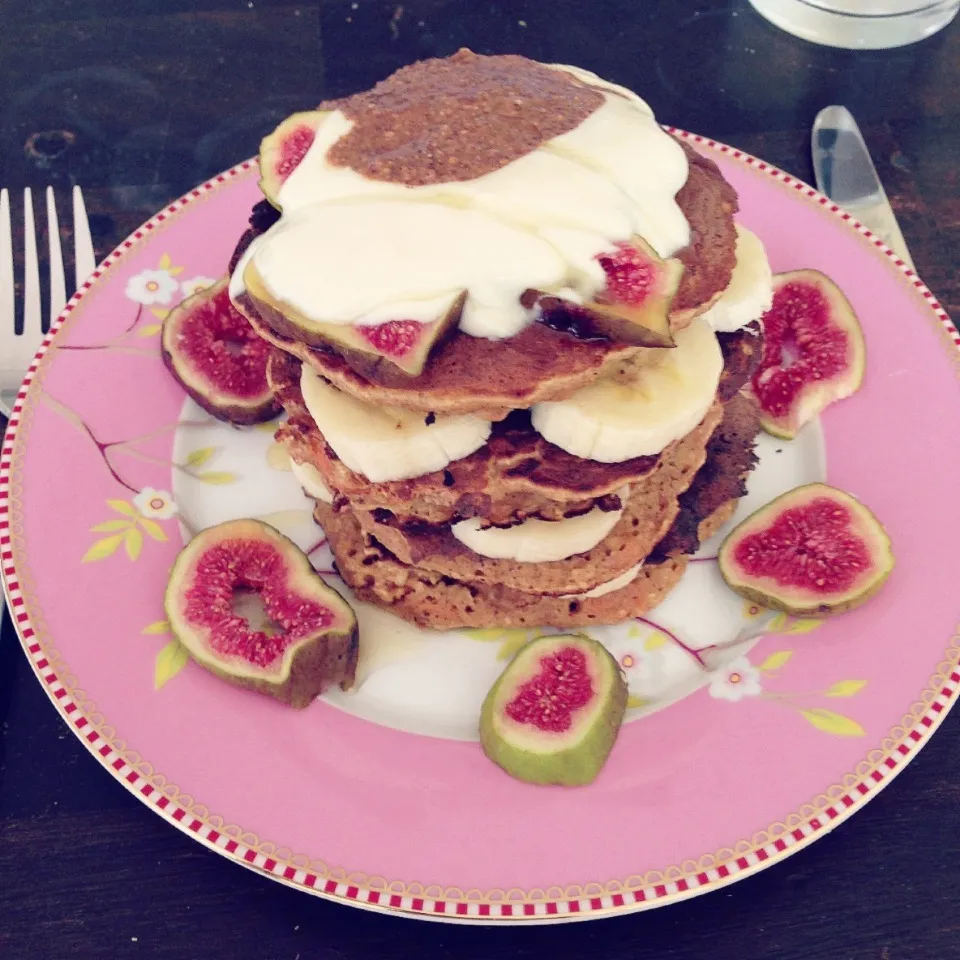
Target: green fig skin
575 757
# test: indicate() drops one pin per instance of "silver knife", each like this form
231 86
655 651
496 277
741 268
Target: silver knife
846 174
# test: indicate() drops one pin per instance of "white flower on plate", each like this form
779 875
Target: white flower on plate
157 504
195 285
645 657
152 286
635 663
738 679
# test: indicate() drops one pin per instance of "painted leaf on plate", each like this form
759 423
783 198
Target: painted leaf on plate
197 458
100 549
846 688
133 542
110 525
834 723
170 661
217 476
153 529
655 642
776 660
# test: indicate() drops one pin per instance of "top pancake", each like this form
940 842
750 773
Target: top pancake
490 378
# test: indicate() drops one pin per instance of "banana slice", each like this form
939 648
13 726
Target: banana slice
384 443
616 419
539 541
602 589
309 478
750 291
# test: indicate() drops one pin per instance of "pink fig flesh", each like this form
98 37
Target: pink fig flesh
247 605
218 358
812 552
232 566
813 352
635 275
549 699
394 339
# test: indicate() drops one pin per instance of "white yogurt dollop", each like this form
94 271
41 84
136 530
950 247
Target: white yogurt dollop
351 250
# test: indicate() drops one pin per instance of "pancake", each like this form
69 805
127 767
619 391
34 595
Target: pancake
709 204
432 600
742 350
648 514
492 377
721 481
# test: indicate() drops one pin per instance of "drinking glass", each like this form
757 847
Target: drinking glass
859 24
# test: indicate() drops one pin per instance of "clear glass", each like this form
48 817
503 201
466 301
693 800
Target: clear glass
859 24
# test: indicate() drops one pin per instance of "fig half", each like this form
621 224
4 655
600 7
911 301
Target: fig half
813 352
218 358
554 714
633 308
282 151
247 605
812 552
403 346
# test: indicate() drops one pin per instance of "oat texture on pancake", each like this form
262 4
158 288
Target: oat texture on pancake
510 322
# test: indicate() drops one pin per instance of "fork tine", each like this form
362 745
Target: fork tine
32 322
58 294
7 300
82 244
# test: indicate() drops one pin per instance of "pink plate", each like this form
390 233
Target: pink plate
762 759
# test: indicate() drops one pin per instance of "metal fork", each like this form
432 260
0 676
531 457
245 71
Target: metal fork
17 350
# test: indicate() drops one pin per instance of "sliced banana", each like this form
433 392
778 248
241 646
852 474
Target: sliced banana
539 541
638 414
309 478
385 443
602 589
750 291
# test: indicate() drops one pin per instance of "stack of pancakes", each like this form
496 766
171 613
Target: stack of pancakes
392 539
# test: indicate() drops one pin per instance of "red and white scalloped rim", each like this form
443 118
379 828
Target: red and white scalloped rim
426 907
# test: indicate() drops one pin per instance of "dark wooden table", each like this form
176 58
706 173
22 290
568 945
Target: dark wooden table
137 102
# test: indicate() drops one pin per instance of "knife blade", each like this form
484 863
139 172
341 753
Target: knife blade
846 174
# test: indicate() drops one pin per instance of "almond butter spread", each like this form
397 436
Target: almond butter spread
458 118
